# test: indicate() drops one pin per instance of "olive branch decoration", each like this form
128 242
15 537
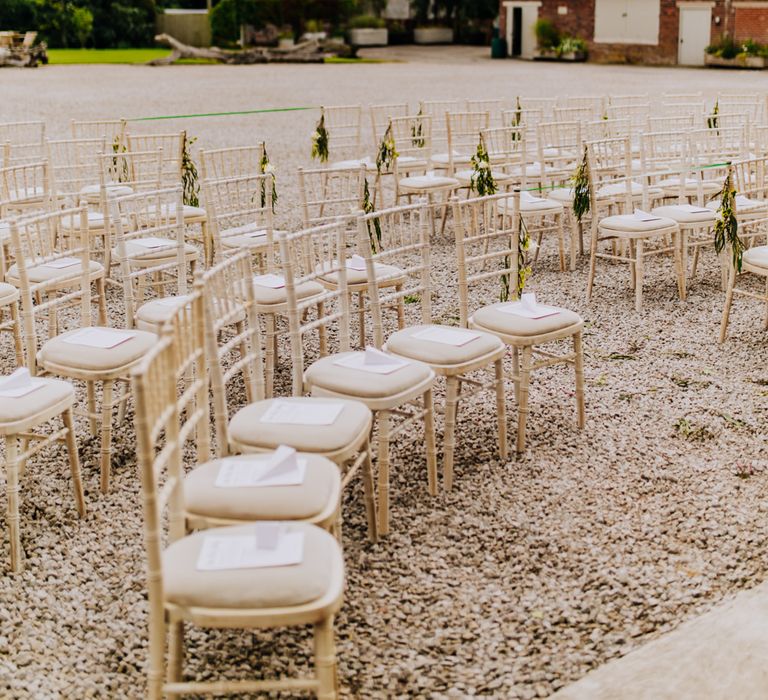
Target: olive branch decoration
726 225
387 153
517 119
374 233
417 131
267 167
120 172
482 180
189 176
320 140
524 270
713 121
580 179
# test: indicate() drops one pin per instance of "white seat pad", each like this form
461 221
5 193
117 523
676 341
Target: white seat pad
684 217
79 357
114 189
741 206
353 163
629 224
136 251
465 176
95 220
8 293
322 483
708 187
404 344
357 383
267 296
427 182
620 188
43 273
52 393
388 275
756 257
241 589
26 193
490 319
246 429
541 205
458 158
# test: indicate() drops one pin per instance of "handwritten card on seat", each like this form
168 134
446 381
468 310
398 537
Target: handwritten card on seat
104 338
19 383
302 412
356 262
447 335
220 552
692 209
281 468
641 215
528 307
372 360
269 280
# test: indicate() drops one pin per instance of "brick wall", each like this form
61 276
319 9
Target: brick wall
751 23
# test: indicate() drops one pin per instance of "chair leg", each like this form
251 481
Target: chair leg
522 408
516 372
361 316
270 356
429 439
728 302
325 660
157 636
383 421
683 248
12 488
765 314
17 344
578 365
90 389
575 238
175 653
101 300
561 240
322 331
74 461
501 409
639 275
449 436
106 434
369 494
592 264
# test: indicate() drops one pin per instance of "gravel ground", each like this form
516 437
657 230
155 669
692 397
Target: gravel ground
529 573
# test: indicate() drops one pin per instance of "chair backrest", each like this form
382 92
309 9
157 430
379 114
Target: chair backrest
752 103
395 244
617 100
315 255
750 177
24 142
111 130
437 109
681 96
675 122
24 187
492 106
717 144
636 113
596 103
380 116
573 114
696 110
35 242
329 193
545 104
525 116
610 161
558 143
240 206
231 328
488 251
412 136
224 163
172 147
463 130
166 421
74 165
507 149
143 217
606 129
344 126
759 135
663 151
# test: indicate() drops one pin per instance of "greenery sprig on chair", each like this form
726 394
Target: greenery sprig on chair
189 176
417 131
713 121
320 140
580 179
482 180
726 225
267 167
387 153
374 235
517 118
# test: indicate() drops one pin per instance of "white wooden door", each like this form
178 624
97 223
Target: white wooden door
694 35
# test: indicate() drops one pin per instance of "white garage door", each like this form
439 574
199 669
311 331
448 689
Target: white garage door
627 21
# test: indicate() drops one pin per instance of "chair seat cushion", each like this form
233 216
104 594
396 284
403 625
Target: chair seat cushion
618 189
458 158
358 383
404 343
322 483
743 206
491 319
465 176
52 393
270 587
153 314
427 182
708 187
81 357
43 273
95 220
410 162
387 275
267 296
190 212
353 164
8 293
683 216
756 257
26 194
532 205
627 223
114 189
246 429
562 194
137 252
5 231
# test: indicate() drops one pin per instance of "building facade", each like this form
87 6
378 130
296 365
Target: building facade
662 32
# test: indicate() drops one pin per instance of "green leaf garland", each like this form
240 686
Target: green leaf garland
320 140
482 180
417 131
726 225
267 167
713 121
189 176
581 201
387 153
374 225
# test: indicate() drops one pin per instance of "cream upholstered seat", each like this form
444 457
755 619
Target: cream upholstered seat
8 293
327 375
9 302
321 487
246 236
756 257
46 273
51 399
671 185
59 354
424 182
95 221
744 205
684 216
318 573
443 159
628 223
499 176
269 296
619 189
152 315
138 253
492 318
114 189
247 433
389 274
404 343
353 164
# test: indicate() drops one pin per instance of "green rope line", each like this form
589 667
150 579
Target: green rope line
220 114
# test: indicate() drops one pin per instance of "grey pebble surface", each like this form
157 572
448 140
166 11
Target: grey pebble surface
528 573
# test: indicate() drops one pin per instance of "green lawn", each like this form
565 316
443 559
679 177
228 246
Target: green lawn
70 56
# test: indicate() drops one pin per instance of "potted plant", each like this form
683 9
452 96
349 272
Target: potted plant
728 54
433 20
547 38
314 30
285 39
572 49
367 30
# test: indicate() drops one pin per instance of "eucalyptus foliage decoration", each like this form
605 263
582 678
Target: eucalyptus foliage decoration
320 140
524 270
189 176
387 153
417 131
580 179
726 225
120 170
713 121
267 167
374 225
482 180
517 118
